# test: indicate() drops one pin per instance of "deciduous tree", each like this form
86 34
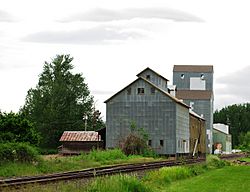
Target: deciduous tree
59 101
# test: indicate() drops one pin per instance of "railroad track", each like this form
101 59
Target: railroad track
233 156
100 171
93 172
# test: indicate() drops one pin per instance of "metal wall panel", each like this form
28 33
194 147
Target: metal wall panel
155 79
184 83
156 113
182 129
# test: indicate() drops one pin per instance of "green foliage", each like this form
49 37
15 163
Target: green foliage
52 164
245 141
237 117
16 128
214 161
59 102
17 152
44 151
107 155
166 175
121 183
136 142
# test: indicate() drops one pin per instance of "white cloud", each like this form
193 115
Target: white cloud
6 17
233 88
103 15
95 35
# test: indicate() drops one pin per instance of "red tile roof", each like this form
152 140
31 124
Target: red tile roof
80 136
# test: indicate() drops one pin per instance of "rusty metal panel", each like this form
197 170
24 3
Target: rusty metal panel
80 136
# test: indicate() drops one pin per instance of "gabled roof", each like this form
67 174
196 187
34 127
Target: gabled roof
194 94
193 68
153 72
80 136
153 85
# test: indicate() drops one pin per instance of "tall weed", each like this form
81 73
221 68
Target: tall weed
214 161
118 183
167 175
107 155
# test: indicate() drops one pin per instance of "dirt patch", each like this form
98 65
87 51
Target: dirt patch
51 157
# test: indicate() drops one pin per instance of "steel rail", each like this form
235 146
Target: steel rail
100 171
93 172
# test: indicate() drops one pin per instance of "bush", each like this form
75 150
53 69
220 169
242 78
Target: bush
244 139
16 128
44 151
135 143
168 174
107 155
214 161
17 152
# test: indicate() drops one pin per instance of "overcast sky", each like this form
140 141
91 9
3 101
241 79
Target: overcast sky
113 40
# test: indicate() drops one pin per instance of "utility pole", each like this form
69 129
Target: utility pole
86 123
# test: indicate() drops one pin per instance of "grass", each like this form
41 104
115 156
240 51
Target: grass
247 159
228 179
60 164
214 175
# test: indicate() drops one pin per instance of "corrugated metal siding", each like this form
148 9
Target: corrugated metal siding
201 105
204 107
182 129
153 112
155 79
224 139
197 131
184 84
80 136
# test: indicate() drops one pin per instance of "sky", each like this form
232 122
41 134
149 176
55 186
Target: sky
113 40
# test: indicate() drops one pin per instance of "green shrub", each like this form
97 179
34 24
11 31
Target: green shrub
197 169
214 161
120 183
168 174
107 155
44 151
17 152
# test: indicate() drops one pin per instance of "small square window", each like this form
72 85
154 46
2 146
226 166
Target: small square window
140 91
129 91
161 143
202 76
148 77
149 142
152 90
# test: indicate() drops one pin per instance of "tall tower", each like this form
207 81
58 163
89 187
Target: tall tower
195 87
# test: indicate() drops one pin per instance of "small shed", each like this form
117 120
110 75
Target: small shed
76 142
221 135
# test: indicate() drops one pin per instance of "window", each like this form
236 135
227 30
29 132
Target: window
161 143
140 91
196 83
129 91
152 90
182 76
148 77
192 105
149 142
202 76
